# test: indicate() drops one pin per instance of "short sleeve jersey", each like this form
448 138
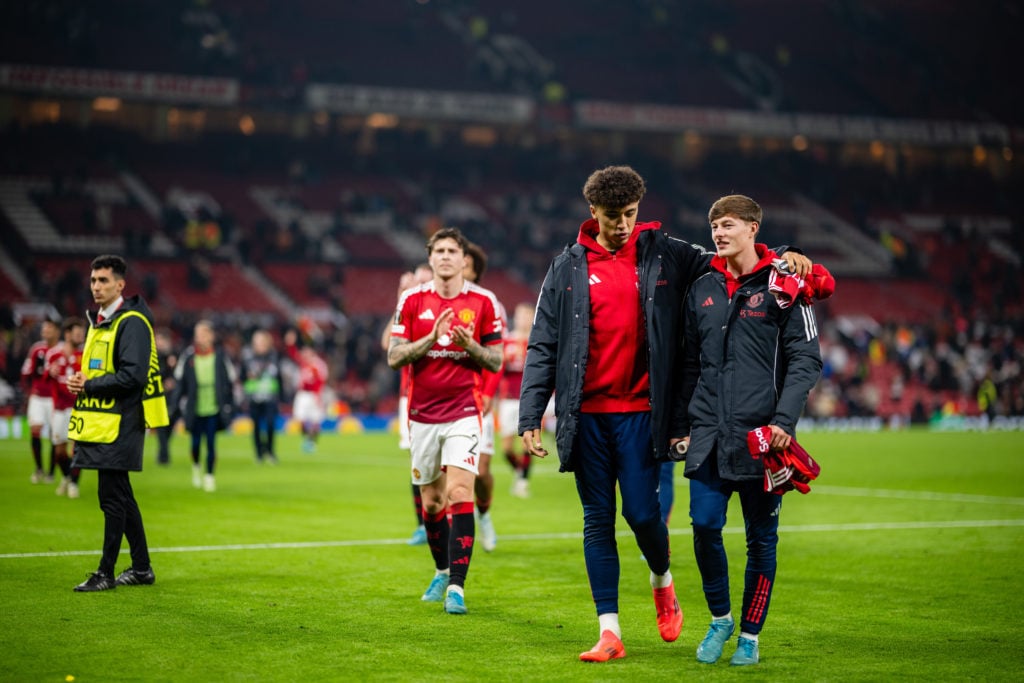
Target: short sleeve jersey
34 370
446 384
515 363
64 364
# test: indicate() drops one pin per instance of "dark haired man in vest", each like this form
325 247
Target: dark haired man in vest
118 393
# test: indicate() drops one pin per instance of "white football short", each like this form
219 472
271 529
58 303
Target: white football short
487 433
508 416
307 407
403 422
59 426
448 444
40 411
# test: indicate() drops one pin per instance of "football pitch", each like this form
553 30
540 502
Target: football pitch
903 563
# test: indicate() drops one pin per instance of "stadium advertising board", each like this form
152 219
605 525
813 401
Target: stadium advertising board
432 104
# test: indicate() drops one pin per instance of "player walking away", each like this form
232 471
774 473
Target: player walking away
753 361
514 352
62 362
204 393
448 331
483 488
261 380
40 397
605 340
308 405
118 394
411 278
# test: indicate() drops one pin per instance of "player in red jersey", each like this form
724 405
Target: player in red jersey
308 405
474 269
411 278
508 408
63 361
448 331
40 396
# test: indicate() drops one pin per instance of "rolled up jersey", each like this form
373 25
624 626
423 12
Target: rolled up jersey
789 287
793 468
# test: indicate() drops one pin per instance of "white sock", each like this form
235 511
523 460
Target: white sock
457 589
609 621
663 581
725 617
445 572
748 636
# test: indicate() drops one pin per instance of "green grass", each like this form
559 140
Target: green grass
904 563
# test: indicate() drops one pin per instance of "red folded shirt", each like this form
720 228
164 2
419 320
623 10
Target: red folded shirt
793 468
788 287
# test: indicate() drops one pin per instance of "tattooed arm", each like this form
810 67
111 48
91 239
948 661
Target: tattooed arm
402 353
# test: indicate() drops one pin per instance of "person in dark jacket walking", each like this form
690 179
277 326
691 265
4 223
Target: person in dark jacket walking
604 340
261 381
749 361
118 393
204 393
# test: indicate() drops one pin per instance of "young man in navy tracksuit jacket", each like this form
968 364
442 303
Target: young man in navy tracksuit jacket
749 361
604 339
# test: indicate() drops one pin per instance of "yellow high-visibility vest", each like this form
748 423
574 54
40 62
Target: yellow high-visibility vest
98 420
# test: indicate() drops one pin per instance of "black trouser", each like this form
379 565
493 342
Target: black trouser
264 417
121 519
163 435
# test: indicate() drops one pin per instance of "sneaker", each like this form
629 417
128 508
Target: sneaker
197 476
710 649
488 537
521 488
454 603
670 616
608 647
131 577
271 459
62 487
209 483
38 477
48 479
73 490
746 652
419 536
435 591
308 446
97 581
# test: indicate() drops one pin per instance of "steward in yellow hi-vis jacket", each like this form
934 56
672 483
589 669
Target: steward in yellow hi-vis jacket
123 390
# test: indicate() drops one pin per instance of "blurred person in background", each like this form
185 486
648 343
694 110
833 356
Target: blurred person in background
168 360
605 340
308 404
118 394
514 352
62 362
448 330
40 387
754 360
204 395
411 278
261 382
483 487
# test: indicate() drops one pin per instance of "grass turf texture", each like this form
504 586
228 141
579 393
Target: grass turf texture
902 564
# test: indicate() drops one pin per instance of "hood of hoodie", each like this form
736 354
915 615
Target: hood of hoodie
590 229
765 257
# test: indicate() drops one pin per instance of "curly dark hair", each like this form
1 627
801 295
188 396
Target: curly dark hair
613 187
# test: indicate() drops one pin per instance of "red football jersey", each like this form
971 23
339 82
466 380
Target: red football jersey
515 362
34 370
61 364
446 383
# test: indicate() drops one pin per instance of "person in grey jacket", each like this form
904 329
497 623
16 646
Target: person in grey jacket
749 361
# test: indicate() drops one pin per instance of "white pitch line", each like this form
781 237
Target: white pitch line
917 495
808 528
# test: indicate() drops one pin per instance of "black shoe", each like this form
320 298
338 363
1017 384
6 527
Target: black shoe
98 581
131 577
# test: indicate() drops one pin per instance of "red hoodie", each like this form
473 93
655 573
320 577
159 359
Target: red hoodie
616 379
